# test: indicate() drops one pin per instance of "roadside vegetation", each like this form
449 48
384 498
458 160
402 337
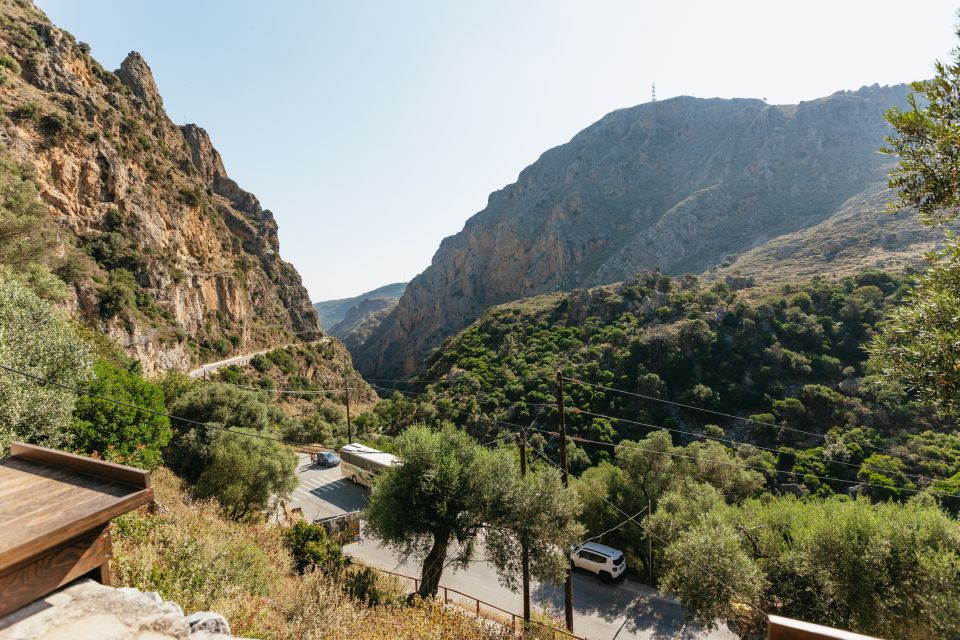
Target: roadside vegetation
268 582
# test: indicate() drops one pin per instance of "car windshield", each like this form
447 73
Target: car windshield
330 456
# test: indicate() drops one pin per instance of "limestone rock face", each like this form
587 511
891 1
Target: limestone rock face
680 185
87 610
135 197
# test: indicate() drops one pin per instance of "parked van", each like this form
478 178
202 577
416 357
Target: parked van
604 561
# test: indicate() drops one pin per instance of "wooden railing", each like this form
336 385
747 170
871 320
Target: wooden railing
779 628
482 609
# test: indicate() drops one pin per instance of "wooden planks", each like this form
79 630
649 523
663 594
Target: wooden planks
780 628
87 554
48 506
55 510
112 471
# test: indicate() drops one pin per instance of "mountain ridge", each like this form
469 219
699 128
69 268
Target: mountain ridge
681 185
161 249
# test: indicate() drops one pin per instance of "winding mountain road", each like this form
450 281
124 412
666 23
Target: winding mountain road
241 360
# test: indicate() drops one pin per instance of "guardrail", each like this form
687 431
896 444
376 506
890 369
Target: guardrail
477 607
780 628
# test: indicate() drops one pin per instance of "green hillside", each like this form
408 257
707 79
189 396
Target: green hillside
786 374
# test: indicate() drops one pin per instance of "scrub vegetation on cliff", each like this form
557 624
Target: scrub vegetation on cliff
154 243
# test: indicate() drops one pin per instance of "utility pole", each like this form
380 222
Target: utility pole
568 583
524 549
650 541
653 92
346 391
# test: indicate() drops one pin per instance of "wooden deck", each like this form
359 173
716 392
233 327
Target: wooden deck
55 510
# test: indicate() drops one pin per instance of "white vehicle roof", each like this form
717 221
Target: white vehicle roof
374 455
602 549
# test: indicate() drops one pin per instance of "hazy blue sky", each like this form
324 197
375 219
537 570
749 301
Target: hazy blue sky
374 129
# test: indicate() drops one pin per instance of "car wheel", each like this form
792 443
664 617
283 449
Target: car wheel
606 577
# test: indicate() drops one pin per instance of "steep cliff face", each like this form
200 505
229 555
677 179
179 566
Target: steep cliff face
161 248
677 185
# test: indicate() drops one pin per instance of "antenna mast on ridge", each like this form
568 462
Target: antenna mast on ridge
653 92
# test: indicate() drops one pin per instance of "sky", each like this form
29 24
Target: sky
373 130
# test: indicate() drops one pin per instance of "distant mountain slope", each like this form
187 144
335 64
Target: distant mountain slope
163 251
330 312
361 320
678 185
862 235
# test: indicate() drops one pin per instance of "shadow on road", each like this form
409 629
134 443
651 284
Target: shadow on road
637 608
342 494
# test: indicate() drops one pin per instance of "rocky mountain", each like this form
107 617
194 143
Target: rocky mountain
161 248
361 320
331 312
680 185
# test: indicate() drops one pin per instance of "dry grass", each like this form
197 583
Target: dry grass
190 554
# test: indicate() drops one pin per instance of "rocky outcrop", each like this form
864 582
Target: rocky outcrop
680 185
162 249
86 609
361 320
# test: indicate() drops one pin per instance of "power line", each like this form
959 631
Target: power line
292 391
691 434
742 465
688 560
718 439
725 415
205 425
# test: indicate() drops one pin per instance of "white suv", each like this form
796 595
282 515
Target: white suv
606 562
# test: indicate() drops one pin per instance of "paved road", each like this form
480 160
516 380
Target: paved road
626 610
241 360
325 492
213 366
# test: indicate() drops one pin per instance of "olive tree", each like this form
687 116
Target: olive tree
448 490
36 339
246 473
919 344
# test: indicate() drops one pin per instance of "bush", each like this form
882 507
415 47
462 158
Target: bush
311 548
53 125
24 112
121 433
246 473
120 295
7 62
38 340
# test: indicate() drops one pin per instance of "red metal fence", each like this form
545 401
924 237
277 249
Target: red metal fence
483 609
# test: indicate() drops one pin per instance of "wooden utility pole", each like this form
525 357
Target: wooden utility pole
524 548
568 583
346 391
650 541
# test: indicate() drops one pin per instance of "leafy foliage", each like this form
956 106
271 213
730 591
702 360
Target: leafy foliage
131 433
920 344
246 474
792 367
34 338
311 548
927 141
880 569
222 460
449 489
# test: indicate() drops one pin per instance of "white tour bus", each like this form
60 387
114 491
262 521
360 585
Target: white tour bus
361 464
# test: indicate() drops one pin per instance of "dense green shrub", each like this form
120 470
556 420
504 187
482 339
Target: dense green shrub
133 432
36 339
311 548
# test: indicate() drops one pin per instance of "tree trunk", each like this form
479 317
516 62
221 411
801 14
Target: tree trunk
433 567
